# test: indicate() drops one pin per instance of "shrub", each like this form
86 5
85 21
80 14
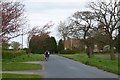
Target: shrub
8 54
103 52
69 51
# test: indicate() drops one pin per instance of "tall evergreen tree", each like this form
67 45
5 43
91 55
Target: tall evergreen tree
60 45
51 44
53 40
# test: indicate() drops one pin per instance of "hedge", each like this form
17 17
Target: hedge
8 54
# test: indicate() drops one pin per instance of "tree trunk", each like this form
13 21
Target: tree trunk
89 51
112 55
111 42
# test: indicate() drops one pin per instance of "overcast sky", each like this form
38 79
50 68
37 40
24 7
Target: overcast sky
40 12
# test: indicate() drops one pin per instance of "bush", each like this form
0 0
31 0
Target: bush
8 54
103 52
69 51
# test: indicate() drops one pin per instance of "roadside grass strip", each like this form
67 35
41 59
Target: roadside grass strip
0 75
19 63
16 66
101 63
6 75
26 57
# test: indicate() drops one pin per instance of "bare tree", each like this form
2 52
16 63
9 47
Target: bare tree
82 27
107 13
12 19
15 45
38 30
62 29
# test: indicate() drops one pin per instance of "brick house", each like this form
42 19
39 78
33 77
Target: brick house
70 43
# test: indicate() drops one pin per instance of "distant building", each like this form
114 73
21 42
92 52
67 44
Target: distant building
96 48
71 43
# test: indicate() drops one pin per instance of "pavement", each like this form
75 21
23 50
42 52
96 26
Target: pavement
34 72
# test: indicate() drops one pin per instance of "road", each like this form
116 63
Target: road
60 67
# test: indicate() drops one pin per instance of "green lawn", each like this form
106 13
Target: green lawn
102 63
15 63
20 76
0 75
1 65
15 66
26 57
0 68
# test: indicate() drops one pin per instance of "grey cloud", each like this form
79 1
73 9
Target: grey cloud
45 6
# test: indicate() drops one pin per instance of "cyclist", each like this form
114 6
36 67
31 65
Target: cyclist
46 54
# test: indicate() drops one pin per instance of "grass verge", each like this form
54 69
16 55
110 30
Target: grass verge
101 63
26 57
14 66
15 63
0 65
0 76
20 76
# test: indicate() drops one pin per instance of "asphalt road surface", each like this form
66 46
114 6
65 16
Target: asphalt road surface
60 67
